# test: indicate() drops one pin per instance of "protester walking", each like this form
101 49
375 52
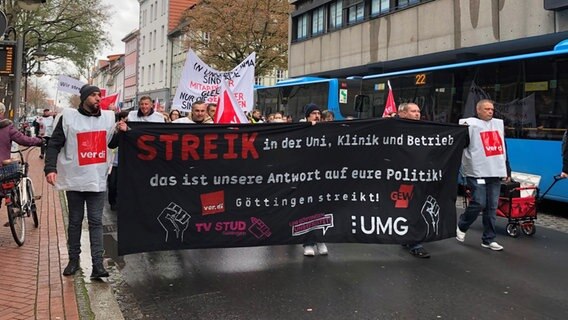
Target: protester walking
411 111
76 162
484 164
313 115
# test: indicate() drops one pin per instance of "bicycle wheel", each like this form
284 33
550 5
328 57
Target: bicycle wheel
32 204
17 224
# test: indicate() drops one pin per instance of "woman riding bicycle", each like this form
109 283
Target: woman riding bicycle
9 133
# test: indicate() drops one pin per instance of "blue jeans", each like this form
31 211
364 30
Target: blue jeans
76 202
484 198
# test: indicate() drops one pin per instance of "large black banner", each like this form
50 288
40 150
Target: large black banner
373 181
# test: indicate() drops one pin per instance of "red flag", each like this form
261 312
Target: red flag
228 111
390 106
108 101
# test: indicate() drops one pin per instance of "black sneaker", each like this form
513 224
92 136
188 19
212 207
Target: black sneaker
99 271
420 253
72 267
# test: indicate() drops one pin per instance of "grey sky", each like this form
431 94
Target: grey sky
124 20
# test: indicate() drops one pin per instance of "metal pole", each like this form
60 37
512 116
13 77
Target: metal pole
25 90
18 77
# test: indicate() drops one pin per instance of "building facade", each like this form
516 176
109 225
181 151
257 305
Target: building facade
157 19
109 74
340 38
130 70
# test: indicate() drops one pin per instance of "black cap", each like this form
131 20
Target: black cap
309 108
87 90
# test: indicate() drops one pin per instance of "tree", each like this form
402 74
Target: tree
74 100
69 29
37 98
224 32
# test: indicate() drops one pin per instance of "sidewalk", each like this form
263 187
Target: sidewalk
31 282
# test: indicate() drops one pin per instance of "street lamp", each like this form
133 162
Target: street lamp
29 61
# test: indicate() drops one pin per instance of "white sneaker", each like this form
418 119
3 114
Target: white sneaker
460 235
322 249
309 251
493 246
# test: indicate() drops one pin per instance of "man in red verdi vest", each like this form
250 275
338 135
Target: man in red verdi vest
77 162
484 164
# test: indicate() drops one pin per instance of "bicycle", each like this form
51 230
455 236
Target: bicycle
18 193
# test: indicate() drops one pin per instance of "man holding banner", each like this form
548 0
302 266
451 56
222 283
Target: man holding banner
313 115
76 162
411 111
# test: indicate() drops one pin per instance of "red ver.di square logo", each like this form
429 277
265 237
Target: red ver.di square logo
92 147
213 202
492 143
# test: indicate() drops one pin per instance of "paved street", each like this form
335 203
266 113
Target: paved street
356 281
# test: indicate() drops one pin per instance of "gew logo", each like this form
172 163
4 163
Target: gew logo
403 196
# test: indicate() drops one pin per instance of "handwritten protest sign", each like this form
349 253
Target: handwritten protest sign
201 82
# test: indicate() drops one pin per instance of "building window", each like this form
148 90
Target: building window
162 39
142 76
317 21
303 26
161 74
150 42
336 14
153 72
280 75
156 10
206 36
405 3
379 7
258 81
143 44
155 37
151 12
356 12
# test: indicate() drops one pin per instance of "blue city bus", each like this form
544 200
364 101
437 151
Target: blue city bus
291 95
530 93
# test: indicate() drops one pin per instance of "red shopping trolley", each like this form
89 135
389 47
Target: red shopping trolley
519 205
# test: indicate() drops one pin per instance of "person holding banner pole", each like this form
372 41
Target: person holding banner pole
313 115
484 165
411 111
76 162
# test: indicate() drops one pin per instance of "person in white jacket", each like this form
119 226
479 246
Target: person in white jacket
145 112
